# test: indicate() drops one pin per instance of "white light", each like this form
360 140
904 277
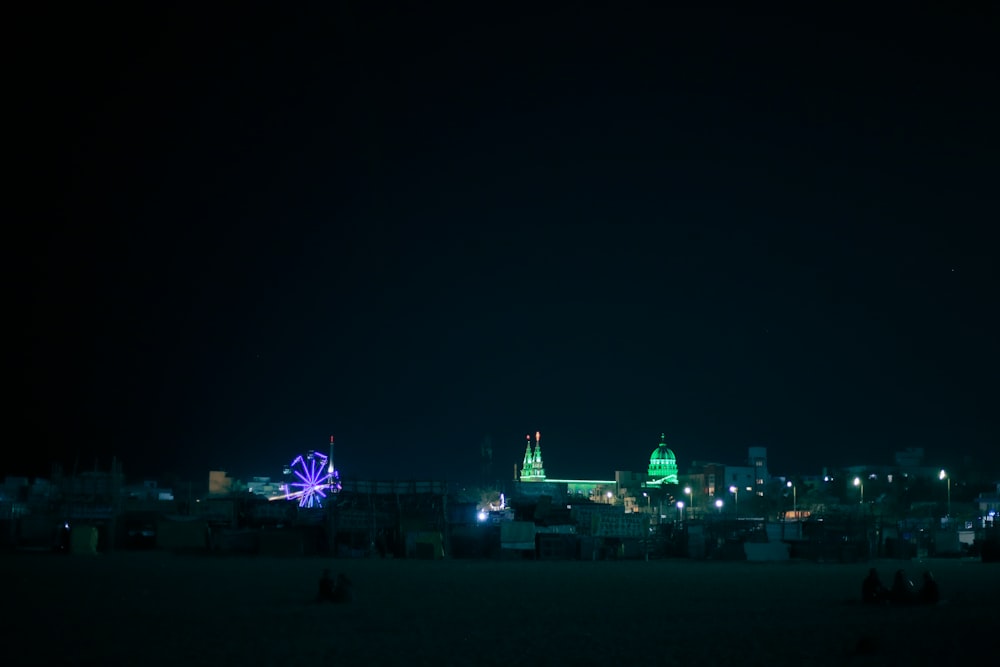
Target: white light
718 503
482 516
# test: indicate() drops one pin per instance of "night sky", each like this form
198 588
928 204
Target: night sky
240 230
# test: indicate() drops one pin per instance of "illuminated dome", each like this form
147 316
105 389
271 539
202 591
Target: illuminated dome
662 453
662 464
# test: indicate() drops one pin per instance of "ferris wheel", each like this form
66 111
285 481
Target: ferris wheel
312 478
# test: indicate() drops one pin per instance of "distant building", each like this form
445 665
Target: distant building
532 470
757 459
662 465
636 491
263 486
219 483
741 477
148 491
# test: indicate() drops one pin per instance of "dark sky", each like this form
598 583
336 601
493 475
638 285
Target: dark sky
240 230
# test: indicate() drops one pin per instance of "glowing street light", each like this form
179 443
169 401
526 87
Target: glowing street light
680 510
736 495
690 495
944 475
858 482
795 501
718 505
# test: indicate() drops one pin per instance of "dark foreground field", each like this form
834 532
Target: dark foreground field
159 609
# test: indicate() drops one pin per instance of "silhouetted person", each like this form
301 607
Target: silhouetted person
902 589
344 590
929 594
872 590
327 587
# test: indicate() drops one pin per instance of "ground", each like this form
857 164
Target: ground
161 609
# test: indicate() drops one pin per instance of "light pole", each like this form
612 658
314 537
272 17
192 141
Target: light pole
690 495
646 496
718 505
736 500
680 510
858 482
946 476
795 501
609 494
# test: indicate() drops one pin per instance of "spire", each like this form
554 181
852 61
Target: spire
527 465
533 470
329 468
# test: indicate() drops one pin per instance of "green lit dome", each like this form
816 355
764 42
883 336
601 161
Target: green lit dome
662 465
662 452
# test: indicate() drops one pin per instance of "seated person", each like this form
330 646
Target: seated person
902 589
872 590
344 591
929 594
326 587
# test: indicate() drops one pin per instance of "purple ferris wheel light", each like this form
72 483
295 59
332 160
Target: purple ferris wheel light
312 480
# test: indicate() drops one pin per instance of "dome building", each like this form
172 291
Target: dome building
662 465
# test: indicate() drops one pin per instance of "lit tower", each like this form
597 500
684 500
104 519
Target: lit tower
526 466
537 469
532 470
329 461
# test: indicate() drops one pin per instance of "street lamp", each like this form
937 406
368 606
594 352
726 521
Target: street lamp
718 505
944 475
858 482
680 510
646 496
736 495
795 501
609 494
690 495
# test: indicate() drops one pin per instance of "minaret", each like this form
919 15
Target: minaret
537 468
329 461
526 467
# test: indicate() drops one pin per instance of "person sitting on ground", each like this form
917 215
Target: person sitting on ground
929 594
902 589
872 590
344 591
327 587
